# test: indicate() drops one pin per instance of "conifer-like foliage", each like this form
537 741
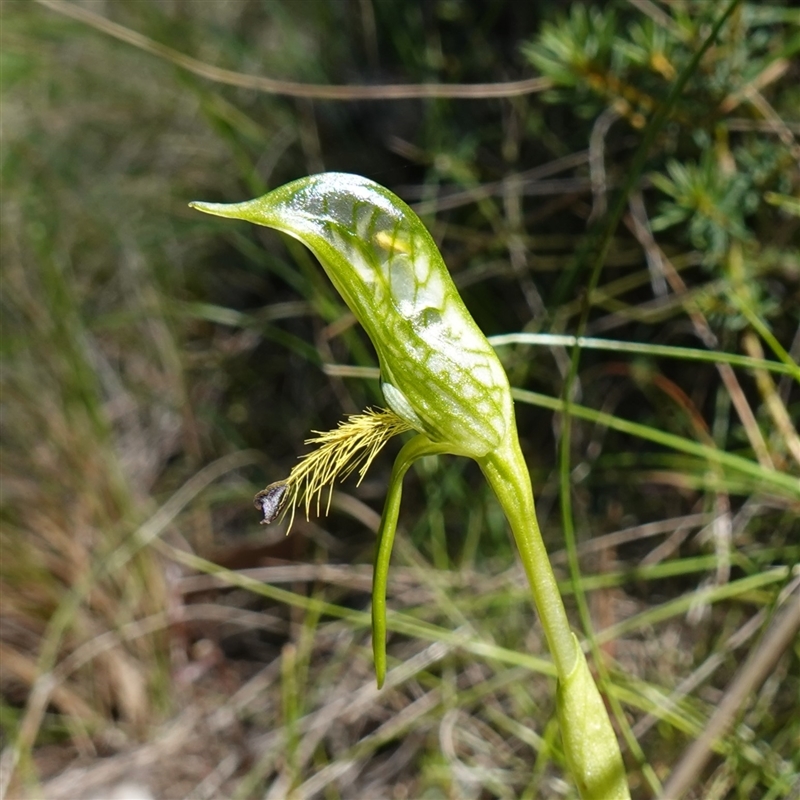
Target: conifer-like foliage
718 176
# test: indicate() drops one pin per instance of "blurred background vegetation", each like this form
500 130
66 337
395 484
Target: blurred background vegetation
159 367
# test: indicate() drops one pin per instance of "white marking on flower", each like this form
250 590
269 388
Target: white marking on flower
398 402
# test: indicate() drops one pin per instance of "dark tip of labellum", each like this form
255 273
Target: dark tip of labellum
269 501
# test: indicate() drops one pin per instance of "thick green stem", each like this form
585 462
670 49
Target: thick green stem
590 746
508 476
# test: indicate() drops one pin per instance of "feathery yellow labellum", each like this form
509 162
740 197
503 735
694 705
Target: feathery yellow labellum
351 446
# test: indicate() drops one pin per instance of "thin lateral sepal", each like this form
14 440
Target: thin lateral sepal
418 447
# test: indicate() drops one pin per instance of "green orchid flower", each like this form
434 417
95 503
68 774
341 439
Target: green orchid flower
441 378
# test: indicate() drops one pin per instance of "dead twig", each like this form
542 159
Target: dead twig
749 677
312 91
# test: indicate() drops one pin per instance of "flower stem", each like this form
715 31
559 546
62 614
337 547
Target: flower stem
507 474
590 745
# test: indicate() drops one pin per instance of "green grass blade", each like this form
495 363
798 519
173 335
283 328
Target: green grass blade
787 485
786 366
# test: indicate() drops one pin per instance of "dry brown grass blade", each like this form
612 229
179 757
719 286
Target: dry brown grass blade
751 92
104 773
259 83
749 677
118 671
772 400
709 339
25 670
